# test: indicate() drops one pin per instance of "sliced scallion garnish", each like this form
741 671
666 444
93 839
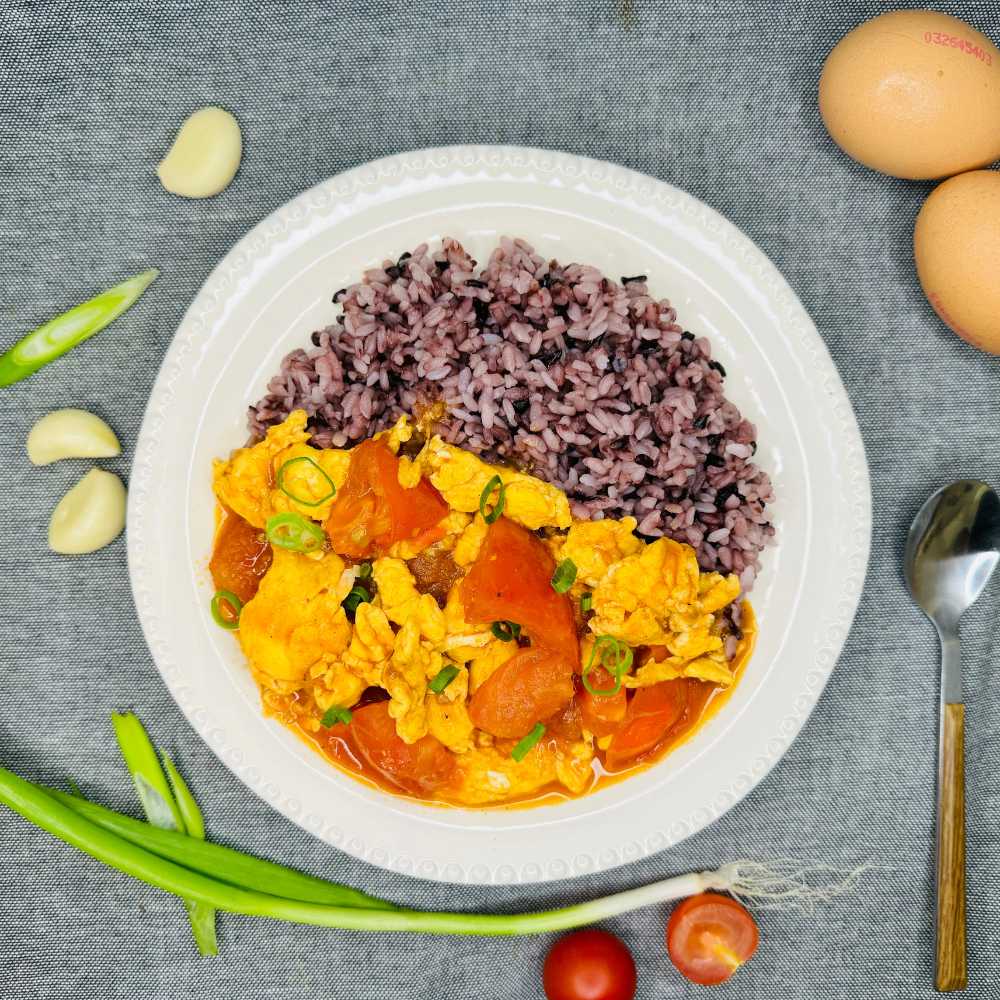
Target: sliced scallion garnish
356 597
524 746
491 513
564 577
335 714
586 602
292 531
615 657
364 571
226 609
442 679
506 631
283 472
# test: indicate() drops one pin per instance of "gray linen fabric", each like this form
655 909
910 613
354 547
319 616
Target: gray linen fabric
719 99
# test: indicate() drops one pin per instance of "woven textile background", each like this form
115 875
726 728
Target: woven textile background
719 99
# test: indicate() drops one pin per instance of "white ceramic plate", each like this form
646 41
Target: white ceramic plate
275 287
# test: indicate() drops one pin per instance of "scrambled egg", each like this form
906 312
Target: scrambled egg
296 620
460 478
299 639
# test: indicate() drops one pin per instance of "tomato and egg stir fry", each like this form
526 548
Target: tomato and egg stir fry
447 629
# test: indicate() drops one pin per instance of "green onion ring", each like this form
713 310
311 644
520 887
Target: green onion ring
564 577
524 746
586 603
494 485
364 570
442 679
335 714
230 624
615 657
506 631
292 531
283 471
357 596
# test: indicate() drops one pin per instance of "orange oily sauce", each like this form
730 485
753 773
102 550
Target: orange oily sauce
293 711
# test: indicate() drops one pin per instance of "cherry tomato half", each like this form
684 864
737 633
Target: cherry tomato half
710 936
589 965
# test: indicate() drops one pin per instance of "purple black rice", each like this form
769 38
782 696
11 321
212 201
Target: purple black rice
589 384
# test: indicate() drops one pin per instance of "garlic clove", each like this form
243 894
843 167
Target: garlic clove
205 155
91 515
71 433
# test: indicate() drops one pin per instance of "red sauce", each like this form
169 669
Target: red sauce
703 701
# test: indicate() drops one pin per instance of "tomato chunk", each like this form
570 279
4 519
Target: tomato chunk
533 685
651 712
420 768
511 580
241 557
710 936
372 511
602 714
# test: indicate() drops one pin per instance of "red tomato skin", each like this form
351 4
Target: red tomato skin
511 580
652 712
372 511
589 965
714 914
530 687
420 768
240 558
602 714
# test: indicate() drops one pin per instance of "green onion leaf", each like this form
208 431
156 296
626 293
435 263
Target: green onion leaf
226 610
163 810
194 821
305 459
506 631
292 531
54 338
564 577
200 915
586 602
442 679
523 747
335 714
356 597
220 862
364 571
615 656
491 513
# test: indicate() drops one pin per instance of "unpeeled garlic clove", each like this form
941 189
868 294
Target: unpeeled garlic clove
205 155
71 433
90 516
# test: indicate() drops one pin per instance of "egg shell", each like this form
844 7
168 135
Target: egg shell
956 243
914 94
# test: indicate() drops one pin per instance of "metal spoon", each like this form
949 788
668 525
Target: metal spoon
953 548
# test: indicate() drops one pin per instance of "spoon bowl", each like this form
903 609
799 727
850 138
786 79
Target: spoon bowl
953 549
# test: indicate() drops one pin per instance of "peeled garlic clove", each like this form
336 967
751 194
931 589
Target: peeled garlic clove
90 516
205 155
71 434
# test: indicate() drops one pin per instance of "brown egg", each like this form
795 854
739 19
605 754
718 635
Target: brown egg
957 246
914 94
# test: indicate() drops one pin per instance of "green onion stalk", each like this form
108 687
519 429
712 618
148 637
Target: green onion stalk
100 833
53 339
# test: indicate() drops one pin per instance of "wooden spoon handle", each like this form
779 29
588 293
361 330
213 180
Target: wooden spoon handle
951 960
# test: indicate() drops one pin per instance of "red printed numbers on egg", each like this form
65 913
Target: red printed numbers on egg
954 42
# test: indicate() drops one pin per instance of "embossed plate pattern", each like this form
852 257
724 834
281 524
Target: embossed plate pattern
275 287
